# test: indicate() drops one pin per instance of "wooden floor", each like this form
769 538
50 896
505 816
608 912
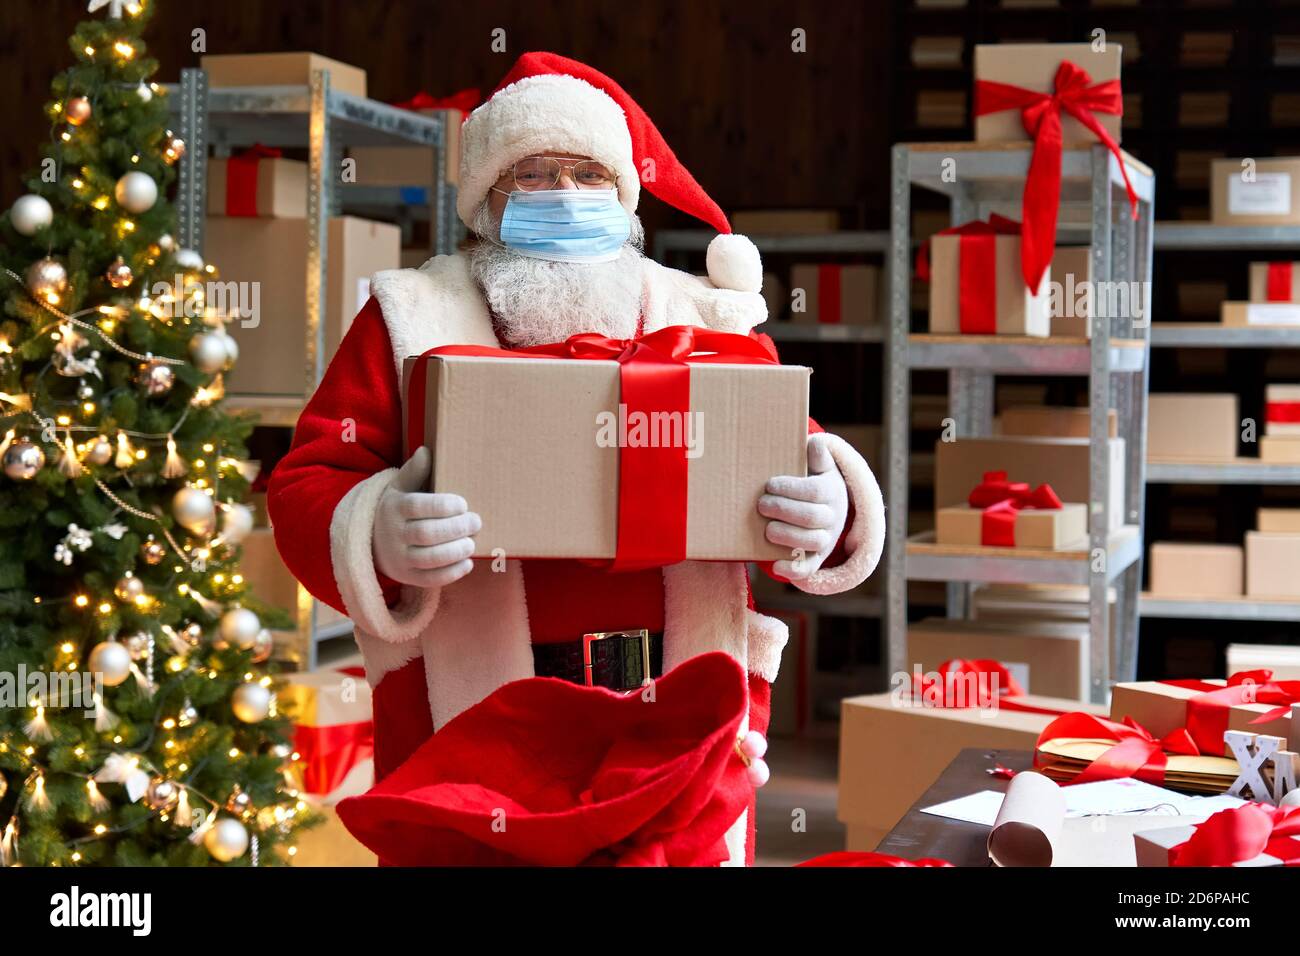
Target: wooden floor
803 779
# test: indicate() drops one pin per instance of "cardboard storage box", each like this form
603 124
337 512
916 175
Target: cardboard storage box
890 755
547 483
280 69
1280 449
1071 273
1053 528
1282 659
1020 603
1241 314
1051 421
836 294
1196 570
411 165
1162 709
1282 409
1268 196
785 222
278 186
1016 311
1275 282
1032 66
1278 519
1272 565
1048 658
1060 462
273 253
1193 427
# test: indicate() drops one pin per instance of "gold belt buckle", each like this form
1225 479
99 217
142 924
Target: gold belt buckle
643 634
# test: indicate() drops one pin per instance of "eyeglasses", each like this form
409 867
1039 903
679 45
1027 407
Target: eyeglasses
533 173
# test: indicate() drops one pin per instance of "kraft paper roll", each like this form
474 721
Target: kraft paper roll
1028 825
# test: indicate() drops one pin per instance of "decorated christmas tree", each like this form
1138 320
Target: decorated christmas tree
139 723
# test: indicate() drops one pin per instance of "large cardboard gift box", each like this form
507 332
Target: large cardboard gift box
257 185
1282 409
837 294
1274 282
280 69
891 753
1197 427
1255 192
1048 658
273 254
1060 462
1162 709
1272 563
1186 570
535 445
1033 66
1015 310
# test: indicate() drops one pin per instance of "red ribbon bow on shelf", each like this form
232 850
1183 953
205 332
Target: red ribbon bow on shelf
1076 94
654 377
1001 500
464 100
1278 286
1241 834
241 178
963 684
977 277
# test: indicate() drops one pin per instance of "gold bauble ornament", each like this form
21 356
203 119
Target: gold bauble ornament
111 661
187 715
137 645
128 587
153 551
173 147
136 192
119 274
162 794
263 645
166 243
226 840
156 378
23 459
77 110
47 279
251 702
239 802
100 451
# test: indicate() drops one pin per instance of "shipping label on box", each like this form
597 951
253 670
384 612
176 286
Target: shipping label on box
1255 192
1282 409
1033 66
1193 427
1012 310
534 445
1241 314
835 294
1272 565
256 185
1196 570
1274 282
1052 528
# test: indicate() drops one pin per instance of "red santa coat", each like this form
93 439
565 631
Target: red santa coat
432 653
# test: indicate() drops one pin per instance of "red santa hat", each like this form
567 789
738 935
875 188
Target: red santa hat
550 102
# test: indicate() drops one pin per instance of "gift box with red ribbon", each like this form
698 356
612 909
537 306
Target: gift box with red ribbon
1011 514
333 731
835 294
413 165
975 282
257 181
1249 835
1282 409
1274 282
645 451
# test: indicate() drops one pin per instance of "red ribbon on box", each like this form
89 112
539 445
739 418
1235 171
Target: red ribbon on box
940 689
977 280
1076 94
241 179
1241 834
829 298
329 753
851 858
1207 712
654 376
463 100
1279 284
1282 412
1001 501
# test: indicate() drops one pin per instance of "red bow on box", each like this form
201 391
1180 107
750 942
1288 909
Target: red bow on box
241 178
977 279
654 377
464 100
1001 501
1241 834
948 687
1279 283
1076 94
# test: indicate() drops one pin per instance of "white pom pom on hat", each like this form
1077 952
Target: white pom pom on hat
550 102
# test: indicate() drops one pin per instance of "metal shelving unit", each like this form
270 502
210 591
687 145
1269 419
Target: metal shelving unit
325 121
991 175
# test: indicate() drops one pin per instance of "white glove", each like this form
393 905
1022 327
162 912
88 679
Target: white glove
808 514
422 539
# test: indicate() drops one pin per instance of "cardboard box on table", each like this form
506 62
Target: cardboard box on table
1051 421
1273 565
1275 420
890 755
1162 709
1282 659
1278 519
1047 658
837 294
280 69
1052 528
1268 196
1016 310
1060 462
1255 314
1259 281
1193 426
273 253
547 484
280 192
1196 570
1033 66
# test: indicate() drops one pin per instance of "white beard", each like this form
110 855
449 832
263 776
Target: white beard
537 301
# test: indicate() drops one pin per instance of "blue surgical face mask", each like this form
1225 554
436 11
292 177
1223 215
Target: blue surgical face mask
566 225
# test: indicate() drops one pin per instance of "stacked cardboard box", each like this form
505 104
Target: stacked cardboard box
1192 427
1273 554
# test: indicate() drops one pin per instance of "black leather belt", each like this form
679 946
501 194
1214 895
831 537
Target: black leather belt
617 660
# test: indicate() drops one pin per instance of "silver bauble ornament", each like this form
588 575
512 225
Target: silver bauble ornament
144 92
119 274
23 459
226 840
153 551
47 279
128 587
193 633
195 511
156 378
166 243
77 110
100 451
251 703
208 350
162 794
188 259
239 802
232 348
85 392
136 192
111 661
239 626
173 147
236 523
263 646
137 645
30 214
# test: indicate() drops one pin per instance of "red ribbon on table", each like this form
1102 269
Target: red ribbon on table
1001 500
241 179
977 280
654 377
851 858
1279 284
1241 834
1076 94
829 298
329 753
463 100
1282 412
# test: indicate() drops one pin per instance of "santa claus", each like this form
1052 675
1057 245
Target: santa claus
552 168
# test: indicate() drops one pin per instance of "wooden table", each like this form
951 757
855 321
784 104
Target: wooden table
962 844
